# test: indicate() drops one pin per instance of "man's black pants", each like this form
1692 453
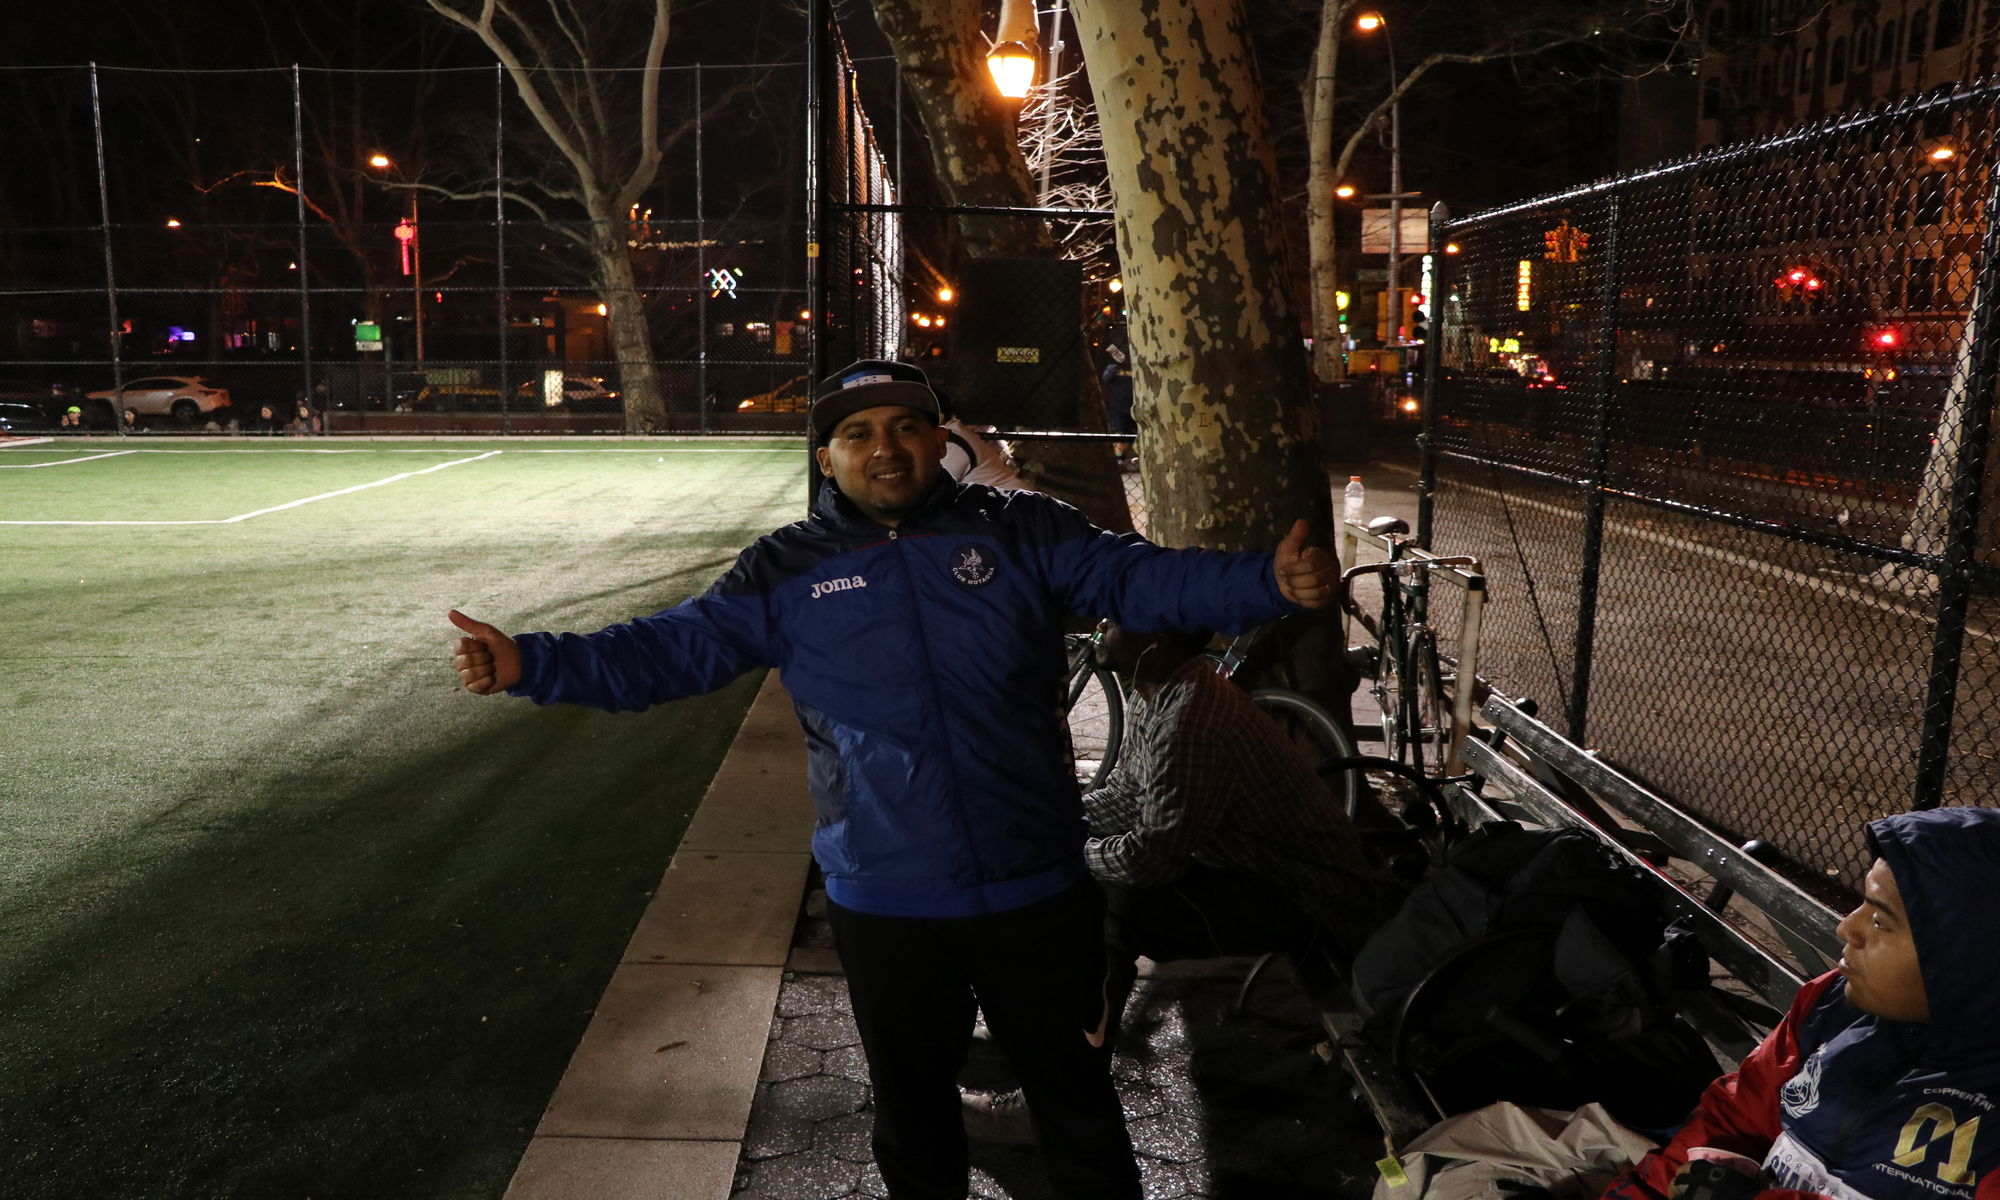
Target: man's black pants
1038 975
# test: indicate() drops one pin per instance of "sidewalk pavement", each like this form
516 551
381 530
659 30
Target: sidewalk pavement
723 1062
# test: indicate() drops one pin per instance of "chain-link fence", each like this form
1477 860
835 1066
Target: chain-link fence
400 252
1720 431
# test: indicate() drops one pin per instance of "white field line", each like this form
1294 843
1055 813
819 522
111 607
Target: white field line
359 487
1814 582
64 462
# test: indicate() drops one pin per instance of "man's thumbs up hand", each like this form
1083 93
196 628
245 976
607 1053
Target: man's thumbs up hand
486 660
1307 575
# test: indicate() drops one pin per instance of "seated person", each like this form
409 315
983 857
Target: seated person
973 455
1210 837
1876 1082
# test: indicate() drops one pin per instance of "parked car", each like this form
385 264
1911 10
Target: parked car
23 418
579 393
46 416
186 398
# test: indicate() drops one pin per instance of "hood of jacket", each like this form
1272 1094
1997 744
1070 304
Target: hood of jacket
1947 867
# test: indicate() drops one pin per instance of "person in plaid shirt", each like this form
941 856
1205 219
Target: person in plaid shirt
1209 838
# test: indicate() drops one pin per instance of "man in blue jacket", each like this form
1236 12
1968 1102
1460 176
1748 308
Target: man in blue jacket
950 829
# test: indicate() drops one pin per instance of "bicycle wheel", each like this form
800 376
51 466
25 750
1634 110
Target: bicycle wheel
1409 691
1319 739
1428 730
1096 713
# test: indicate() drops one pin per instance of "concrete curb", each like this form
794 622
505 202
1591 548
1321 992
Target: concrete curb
656 1099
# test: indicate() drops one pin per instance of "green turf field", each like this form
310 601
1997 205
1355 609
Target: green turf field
284 913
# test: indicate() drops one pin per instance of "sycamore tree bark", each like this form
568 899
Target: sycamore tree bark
567 61
1221 394
977 157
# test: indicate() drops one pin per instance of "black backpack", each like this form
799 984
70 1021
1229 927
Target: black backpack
1535 967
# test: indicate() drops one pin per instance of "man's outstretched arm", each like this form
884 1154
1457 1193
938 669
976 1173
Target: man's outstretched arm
487 660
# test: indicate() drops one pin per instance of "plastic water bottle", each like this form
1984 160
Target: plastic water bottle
1356 497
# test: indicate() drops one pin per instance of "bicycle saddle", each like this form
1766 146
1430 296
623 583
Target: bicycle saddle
1386 526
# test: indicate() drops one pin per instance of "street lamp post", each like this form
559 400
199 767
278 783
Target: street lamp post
413 259
1370 23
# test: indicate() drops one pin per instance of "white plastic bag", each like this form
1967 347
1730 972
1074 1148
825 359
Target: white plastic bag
1574 1155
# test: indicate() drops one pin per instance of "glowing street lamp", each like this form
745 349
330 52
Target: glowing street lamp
1012 59
1345 191
1013 67
1373 22
413 257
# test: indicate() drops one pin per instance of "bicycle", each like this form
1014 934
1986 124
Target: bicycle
1094 705
1409 681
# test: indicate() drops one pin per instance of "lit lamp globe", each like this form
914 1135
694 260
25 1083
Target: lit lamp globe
1013 69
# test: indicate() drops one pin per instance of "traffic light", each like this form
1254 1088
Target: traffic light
1885 339
1420 325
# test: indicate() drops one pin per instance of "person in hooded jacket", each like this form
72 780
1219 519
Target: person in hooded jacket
1881 1081
951 830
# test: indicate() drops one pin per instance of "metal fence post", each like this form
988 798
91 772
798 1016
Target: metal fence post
1594 481
1961 540
700 268
819 76
1427 436
500 233
305 265
104 227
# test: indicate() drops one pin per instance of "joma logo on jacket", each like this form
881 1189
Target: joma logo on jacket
838 585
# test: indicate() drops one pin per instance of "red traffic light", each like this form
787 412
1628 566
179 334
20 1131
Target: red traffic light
1886 339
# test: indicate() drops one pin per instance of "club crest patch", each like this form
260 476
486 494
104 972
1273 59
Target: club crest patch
973 566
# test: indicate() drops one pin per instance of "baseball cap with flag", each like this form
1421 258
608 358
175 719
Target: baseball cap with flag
870 383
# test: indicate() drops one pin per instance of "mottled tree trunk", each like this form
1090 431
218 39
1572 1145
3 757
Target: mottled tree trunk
978 159
1322 176
1221 393
631 337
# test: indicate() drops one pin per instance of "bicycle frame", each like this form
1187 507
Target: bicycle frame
1406 574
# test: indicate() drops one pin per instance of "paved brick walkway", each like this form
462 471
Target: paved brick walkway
1219 1104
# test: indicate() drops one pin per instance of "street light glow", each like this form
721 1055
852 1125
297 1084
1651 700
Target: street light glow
378 161
1115 286
1369 22
1345 191
1013 68
173 222
945 295
1943 154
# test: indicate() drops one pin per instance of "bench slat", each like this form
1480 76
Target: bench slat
1748 962
1774 895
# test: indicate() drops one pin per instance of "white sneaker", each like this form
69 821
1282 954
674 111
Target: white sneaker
1000 1117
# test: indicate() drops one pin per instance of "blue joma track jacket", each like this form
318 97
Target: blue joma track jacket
926 664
